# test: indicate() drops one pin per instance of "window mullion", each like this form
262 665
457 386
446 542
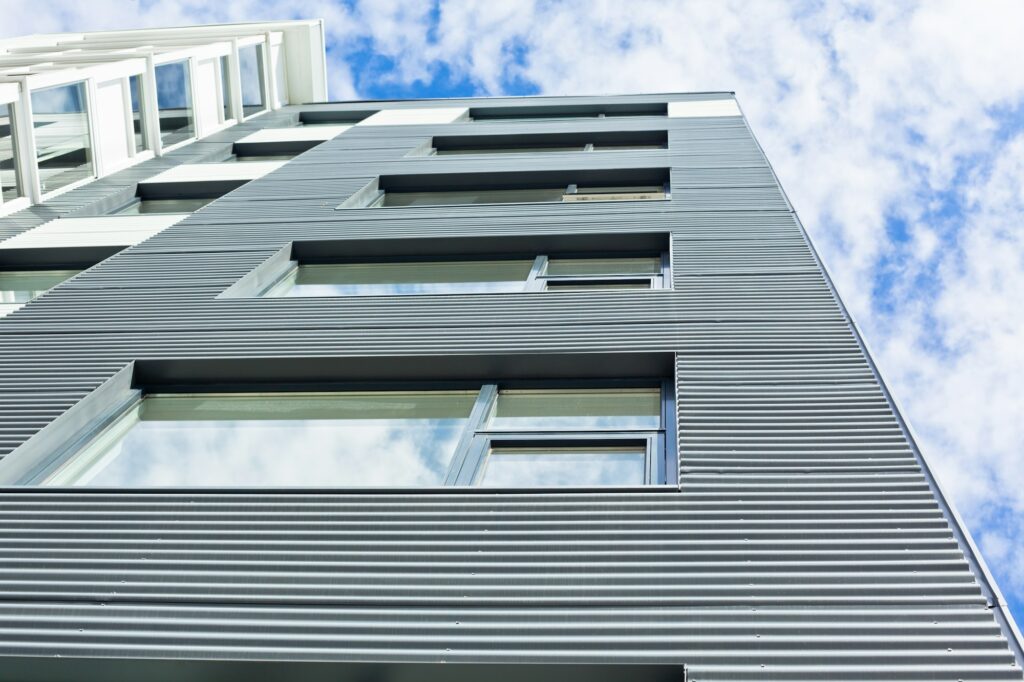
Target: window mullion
477 418
535 282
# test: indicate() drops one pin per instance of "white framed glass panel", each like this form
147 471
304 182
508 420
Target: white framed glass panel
174 102
10 174
138 117
276 439
21 286
576 409
388 279
597 464
63 144
254 89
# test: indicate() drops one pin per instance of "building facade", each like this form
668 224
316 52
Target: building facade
547 387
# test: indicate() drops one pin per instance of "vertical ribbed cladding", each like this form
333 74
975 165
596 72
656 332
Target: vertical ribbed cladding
804 541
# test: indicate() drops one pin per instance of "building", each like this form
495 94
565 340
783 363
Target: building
551 388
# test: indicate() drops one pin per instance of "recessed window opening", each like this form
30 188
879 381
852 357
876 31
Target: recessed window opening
22 286
561 186
550 143
559 112
142 206
473 275
63 143
497 434
253 81
561 194
174 102
11 186
332 118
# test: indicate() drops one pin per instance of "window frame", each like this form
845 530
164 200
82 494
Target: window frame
536 281
569 195
469 456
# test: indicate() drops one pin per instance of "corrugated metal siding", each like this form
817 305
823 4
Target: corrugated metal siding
804 542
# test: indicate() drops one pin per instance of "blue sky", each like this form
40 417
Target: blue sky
897 130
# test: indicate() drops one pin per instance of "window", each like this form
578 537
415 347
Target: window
250 67
555 112
21 286
138 118
225 87
63 146
569 193
244 158
472 276
516 187
332 118
548 143
516 435
174 101
10 175
141 206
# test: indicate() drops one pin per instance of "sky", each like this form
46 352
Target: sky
896 128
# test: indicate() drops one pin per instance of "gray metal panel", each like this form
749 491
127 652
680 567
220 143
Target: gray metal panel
804 542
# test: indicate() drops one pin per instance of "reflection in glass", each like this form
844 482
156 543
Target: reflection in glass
276 439
63 146
385 279
250 68
577 409
497 196
145 206
21 286
10 174
589 465
174 100
560 267
138 120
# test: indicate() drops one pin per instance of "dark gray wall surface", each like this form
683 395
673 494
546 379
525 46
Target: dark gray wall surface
805 540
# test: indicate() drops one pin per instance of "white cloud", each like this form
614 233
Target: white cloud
869 110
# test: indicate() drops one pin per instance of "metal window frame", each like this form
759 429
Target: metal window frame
536 281
469 456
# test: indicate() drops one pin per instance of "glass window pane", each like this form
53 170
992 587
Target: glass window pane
625 146
144 206
174 100
21 286
138 120
559 267
10 174
583 409
386 279
250 67
246 158
595 465
586 285
501 196
225 86
277 439
511 150
63 147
